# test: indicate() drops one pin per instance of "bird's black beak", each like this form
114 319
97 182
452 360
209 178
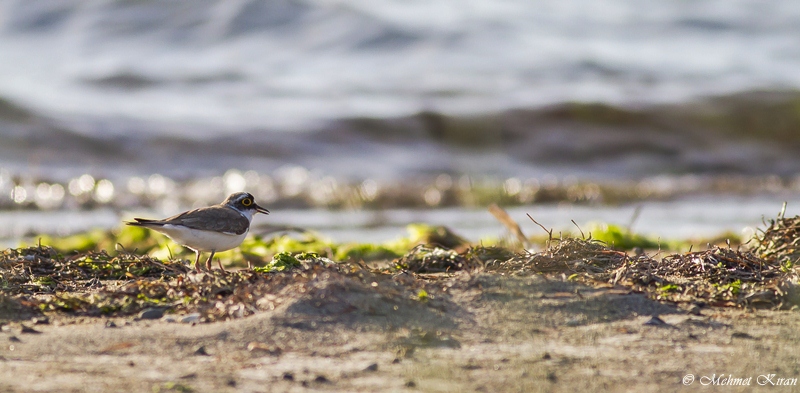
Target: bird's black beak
260 209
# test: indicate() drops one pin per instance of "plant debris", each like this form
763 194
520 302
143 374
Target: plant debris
40 279
567 256
39 270
780 241
423 259
719 276
95 284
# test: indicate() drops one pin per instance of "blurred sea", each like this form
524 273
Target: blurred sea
104 102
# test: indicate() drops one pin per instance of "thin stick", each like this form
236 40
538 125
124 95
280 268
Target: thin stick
579 229
501 215
549 233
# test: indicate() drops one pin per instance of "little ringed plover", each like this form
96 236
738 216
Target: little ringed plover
211 229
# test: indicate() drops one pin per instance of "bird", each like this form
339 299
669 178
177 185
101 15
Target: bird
214 228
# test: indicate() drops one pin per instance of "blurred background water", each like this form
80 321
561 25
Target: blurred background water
368 105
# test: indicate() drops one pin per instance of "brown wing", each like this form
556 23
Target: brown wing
214 218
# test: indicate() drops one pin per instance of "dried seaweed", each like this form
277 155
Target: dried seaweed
780 241
96 283
567 256
38 270
718 276
423 259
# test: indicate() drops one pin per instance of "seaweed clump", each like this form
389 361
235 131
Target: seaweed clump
718 276
40 280
567 256
424 259
780 241
43 270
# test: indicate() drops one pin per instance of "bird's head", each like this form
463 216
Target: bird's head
244 201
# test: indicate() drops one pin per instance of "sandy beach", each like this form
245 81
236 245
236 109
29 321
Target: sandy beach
486 332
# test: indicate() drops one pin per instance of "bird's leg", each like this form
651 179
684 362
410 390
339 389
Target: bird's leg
208 261
219 262
197 260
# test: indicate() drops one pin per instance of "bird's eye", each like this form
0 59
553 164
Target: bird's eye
247 202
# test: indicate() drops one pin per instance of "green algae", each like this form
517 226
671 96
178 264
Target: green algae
285 260
126 237
369 252
620 238
254 250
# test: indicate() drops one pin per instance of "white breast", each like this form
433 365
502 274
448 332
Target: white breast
197 239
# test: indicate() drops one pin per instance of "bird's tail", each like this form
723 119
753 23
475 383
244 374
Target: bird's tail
144 222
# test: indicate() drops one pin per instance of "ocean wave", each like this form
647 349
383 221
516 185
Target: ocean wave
204 21
750 134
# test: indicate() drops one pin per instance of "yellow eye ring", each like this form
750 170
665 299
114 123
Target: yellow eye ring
247 202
